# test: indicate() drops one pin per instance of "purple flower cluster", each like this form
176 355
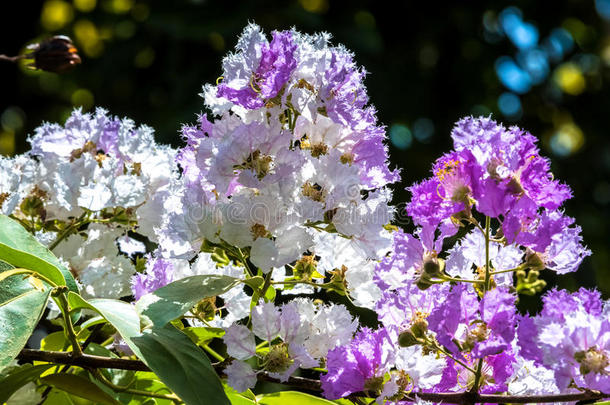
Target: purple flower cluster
500 173
571 336
454 309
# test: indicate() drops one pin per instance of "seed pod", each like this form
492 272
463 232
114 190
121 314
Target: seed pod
56 54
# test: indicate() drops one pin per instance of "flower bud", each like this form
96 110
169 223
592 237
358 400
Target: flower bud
534 261
423 283
419 328
433 266
56 54
206 309
305 267
407 338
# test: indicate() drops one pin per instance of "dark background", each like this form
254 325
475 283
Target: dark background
430 64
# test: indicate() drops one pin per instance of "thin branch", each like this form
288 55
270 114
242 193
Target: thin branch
11 58
308 384
84 360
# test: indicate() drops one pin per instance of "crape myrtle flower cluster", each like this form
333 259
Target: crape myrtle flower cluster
489 221
82 187
284 185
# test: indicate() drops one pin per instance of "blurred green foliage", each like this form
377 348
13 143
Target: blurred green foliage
430 63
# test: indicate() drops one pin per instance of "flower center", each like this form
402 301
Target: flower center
259 231
258 162
313 191
593 360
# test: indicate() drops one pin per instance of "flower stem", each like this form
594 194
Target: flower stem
213 353
69 328
479 371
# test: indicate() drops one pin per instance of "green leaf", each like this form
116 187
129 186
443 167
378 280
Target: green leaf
79 386
270 294
237 399
55 341
117 376
120 314
12 286
175 299
20 249
202 336
58 397
181 365
18 377
149 382
255 282
96 320
20 311
291 397
178 362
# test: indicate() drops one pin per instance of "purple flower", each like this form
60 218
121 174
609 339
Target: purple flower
397 309
497 310
159 272
510 167
356 367
371 155
427 206
571 336
276 61
460 307
495 373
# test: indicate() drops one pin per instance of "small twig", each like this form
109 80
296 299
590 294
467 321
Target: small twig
11 58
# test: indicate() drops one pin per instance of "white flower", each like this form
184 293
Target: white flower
240 342
240 376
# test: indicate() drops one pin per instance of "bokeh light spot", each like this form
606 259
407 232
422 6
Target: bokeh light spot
85 6
400 136
217 41
314 6
535 63
423 129
56 14
428 56
88 36
522 34
510 105
125 29
558 44
567 139
140 12
12 119
144 58
49 82
603 8
364 19
82 98
118 6
569 78
480 109
601 193
512 76
7 143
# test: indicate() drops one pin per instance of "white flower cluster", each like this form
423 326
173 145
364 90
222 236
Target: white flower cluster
292 166
82 187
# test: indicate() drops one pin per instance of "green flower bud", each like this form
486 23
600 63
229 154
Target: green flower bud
407 338
433 266
419 328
